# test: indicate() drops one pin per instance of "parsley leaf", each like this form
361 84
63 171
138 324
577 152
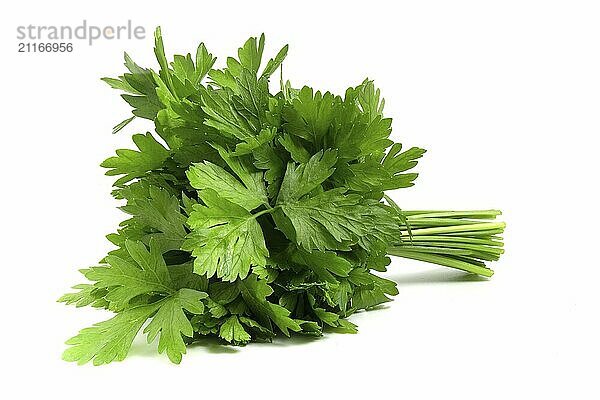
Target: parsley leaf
255 291
141 272
302 179
226 239
109 340
332 220
134 164
210 176
171 322
233 331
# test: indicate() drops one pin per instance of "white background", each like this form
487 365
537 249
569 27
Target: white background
504 95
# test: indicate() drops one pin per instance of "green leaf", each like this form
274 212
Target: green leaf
345 326
251 101
141 272
207 175
159 51
134 164
223 292
225 239
327 317
254 292
250 54
122 124
122 84
333 221
302 179
156 212
222 79
365 298
297 151
339 295
140 85
274 63
254 142
360 130
109 340
183 276
86 295
371 290
369 100
233 332
223 117
396 162
171 322
368 176
325 264
311 115
204 62
251 177
268 159
258 331
186 73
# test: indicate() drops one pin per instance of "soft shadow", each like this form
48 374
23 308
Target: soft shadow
435 276
214 346
141 348
293 340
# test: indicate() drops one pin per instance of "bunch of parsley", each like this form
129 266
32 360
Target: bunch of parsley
254 214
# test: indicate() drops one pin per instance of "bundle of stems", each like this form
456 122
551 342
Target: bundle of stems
464 240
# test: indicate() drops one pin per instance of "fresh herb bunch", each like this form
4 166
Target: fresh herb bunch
253 213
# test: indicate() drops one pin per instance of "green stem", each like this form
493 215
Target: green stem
479 214
441 260
471 227
455 239
458 245
263 212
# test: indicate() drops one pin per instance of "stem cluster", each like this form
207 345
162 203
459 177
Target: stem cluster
463 240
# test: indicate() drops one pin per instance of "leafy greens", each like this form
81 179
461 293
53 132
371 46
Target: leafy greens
253 214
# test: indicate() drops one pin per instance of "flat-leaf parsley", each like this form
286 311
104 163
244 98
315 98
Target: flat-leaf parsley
254 214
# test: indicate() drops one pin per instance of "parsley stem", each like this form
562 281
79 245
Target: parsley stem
267 211
441 260
469 227
479 214
455 239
